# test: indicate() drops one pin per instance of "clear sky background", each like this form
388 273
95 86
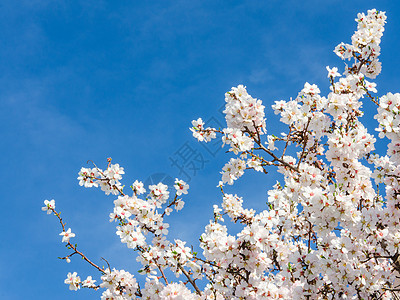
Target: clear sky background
87 80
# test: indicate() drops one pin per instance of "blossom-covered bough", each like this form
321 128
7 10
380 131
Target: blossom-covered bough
331 227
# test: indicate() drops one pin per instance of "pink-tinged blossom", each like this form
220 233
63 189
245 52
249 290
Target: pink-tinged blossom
159 191
311 89
332 72
243 112
179 205
200 133
88 282
67 235
114 173
344 51
238 141
198 124
255 164
119 213
233 170
138 187
87 177
119 284
131 235
176 291
49 206
162 229
371 86
73 281
181 187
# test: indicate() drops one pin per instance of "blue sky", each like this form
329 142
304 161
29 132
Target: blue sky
87 80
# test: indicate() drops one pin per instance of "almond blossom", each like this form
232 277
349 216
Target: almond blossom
330 228
67 235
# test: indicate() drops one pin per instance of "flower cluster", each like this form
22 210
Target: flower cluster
243 111
388 116
200 133
108 180
233 170
75 283
238 140
365 43
119 284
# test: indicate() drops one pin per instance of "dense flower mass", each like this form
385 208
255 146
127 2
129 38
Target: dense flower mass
243 111
331 227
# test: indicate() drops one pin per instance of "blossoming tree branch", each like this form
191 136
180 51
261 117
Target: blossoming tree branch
330 229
